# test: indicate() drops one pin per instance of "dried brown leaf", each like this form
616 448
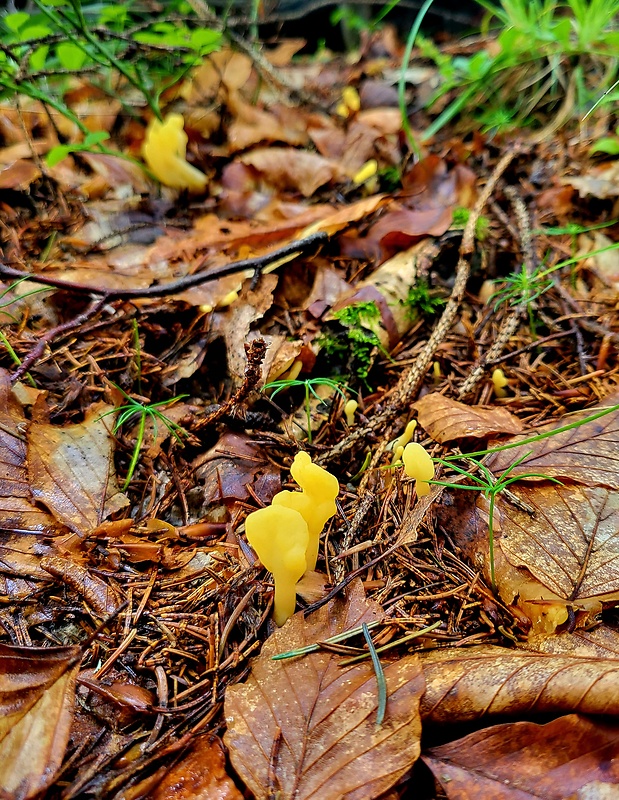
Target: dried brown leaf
588 454
37 687
200 775
71 470
602 642
571 542
445 419
306 727
98 594
290 169
17 511
485 681
570 757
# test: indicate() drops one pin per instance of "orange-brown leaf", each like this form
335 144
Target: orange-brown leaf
71 470
485 681
306 727
37 687
445 419
569 757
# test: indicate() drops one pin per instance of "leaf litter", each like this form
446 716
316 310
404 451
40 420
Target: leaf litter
309 210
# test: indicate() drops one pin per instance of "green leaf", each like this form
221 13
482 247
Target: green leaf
205 40
94 138
38 58
71 56
609 145
58 154
15 21
31 32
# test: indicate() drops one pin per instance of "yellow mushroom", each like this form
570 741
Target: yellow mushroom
419 466
164 151
315 503
279 535
499 382
349 410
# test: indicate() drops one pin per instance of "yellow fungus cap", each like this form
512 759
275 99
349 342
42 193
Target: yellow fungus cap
279 535
367 171
164 151
349 411
499 382
419 466
315 503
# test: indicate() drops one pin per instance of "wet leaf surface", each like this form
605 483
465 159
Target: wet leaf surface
37 687
306 727
445 419
570 757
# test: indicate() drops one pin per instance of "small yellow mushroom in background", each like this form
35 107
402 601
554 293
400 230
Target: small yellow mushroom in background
405 438
349 411
279 535
419 466
164 151
499 382
351 102
315 503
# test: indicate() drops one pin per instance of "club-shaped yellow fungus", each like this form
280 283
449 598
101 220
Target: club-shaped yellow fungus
499 382
419 466
349 411
164 151
315 502
279 535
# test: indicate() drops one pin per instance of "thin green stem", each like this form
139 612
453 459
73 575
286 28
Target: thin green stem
312 648
381 683
15 358
410 42
136 451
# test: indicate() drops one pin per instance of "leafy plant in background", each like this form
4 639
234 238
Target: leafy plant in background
308 384
546 55
421 298
125 50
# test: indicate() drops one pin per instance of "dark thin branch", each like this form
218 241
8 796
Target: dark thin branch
255 265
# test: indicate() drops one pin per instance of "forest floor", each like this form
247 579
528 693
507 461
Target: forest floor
472 287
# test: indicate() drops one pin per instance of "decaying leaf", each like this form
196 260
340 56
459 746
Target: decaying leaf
445 419
199 775
463 685
289 169
17 511
71 470
588 454
306 727
571 757
97 593
37 687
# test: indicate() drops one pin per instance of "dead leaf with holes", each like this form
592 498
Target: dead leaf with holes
37 688
71 470
478 683
306 727
571 757
445 419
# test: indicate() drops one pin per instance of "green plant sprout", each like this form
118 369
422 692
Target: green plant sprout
357 339
134 409
461 217
11 288
308 384
490 485
420 298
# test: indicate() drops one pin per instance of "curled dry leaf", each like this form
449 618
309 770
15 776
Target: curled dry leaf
99 596
480 682
71 470
571 757
445 419
37 688
306 727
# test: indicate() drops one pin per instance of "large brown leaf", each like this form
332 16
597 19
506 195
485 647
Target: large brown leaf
37 687
445 419
471 684
588 454
71 470
306 727
570 757
17 511
570 544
